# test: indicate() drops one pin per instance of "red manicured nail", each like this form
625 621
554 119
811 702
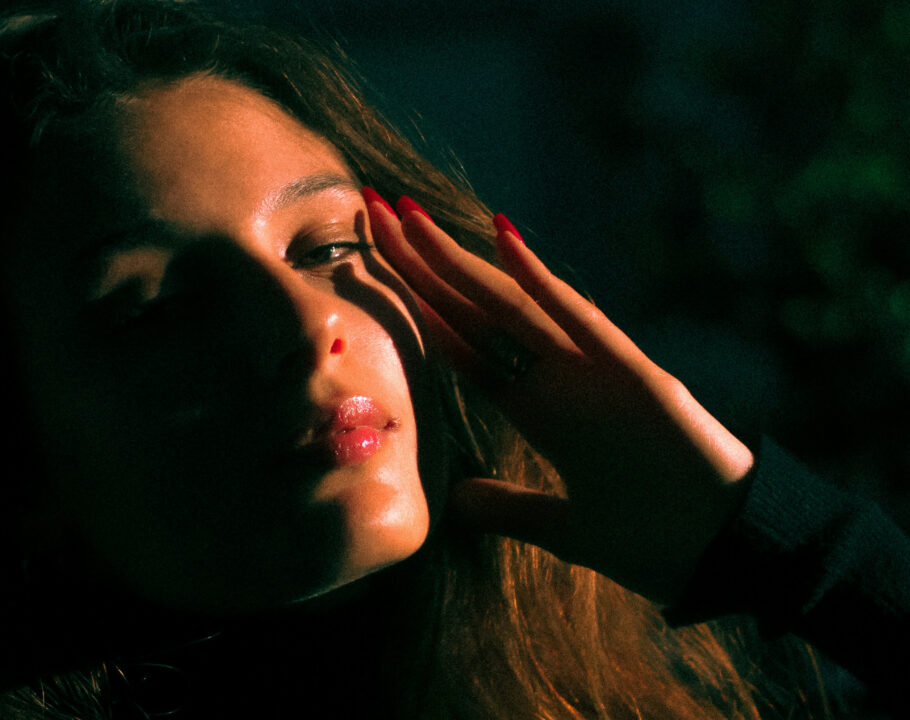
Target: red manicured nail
370 195
503 225
405 205
337 347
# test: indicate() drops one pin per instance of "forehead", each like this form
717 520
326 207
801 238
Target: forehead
206 150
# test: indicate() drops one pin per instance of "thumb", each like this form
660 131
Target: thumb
507 509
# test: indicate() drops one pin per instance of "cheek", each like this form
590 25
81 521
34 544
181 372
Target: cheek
427 378
435 452
411 314
402 361
377 279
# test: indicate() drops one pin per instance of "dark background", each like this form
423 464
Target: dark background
729 180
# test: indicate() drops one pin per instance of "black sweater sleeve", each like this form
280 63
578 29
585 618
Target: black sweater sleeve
804 557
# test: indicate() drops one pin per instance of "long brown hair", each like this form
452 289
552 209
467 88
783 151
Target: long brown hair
505 630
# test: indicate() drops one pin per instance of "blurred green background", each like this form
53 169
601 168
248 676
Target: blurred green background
729 180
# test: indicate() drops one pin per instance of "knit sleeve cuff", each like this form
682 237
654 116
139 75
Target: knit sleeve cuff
769 560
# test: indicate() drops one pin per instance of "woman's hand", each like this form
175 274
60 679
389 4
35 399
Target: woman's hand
652 477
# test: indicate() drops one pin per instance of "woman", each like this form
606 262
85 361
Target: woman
245 434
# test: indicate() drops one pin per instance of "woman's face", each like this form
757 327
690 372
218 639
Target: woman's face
227 378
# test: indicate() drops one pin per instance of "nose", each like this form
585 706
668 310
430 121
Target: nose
265 315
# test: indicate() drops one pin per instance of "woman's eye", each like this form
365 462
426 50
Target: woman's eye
327 254
122 312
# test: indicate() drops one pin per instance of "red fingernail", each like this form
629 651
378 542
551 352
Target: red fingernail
370 195
503 225
337 347
405 205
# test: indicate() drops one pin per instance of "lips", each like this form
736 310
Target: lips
355 431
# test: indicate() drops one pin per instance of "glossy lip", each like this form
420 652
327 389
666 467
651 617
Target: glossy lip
353 432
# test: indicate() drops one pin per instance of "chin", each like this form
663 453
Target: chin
384 526
385 539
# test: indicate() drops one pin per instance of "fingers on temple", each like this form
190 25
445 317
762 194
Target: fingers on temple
460 314
476 300
455 325
505 304
588 327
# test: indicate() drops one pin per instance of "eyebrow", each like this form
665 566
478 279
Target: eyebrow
304 187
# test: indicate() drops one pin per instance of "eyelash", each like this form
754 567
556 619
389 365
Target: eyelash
122 313
314 257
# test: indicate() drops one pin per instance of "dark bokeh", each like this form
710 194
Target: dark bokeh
729 180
